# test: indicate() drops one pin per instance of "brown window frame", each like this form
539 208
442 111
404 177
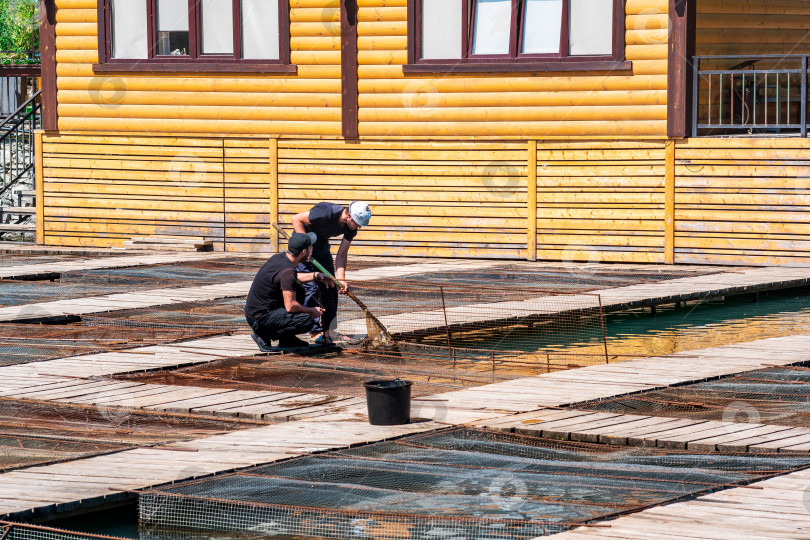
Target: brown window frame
515 60
194 61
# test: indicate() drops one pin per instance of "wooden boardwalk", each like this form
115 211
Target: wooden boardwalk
87 481
75 380
773 509
654 431
32 271
727 283
176 295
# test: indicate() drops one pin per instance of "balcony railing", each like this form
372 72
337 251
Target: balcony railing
750 95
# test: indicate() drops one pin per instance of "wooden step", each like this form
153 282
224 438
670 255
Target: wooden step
19 210
171 243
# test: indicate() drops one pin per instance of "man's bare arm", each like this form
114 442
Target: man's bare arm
292 306
300 221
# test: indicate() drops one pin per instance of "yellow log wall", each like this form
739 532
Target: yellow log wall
520 105
726 27
306 103
504 105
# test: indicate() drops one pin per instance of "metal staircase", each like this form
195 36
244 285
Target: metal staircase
17 168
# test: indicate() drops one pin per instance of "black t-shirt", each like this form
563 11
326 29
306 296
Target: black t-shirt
324 221
275 276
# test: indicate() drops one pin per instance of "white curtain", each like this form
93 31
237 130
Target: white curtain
129 29
591 27
493 20
172 16
217 26
441 28
542 26
260 29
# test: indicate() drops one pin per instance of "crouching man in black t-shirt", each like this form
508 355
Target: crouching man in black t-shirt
274 307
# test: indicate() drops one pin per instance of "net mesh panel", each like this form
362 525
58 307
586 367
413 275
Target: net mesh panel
37 432
19 531
21 343
779 396
446 339
552 278
83 283
432 369
455 483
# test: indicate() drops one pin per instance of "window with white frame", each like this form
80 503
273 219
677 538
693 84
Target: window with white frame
465 32
194 32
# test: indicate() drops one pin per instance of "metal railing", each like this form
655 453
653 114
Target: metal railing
764 94
17 142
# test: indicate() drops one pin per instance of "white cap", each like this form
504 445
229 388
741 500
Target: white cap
360 212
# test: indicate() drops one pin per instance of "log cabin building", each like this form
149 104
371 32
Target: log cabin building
666 131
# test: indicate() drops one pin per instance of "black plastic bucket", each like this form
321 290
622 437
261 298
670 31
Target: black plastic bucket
389 402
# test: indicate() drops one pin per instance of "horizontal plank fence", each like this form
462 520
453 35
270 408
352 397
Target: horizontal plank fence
707 201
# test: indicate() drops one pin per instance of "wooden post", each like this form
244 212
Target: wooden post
348 68
669 202
531 202
47 60
39 186
273 194
681 48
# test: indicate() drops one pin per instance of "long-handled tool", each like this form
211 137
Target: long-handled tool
377 333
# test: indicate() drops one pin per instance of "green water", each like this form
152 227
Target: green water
671 329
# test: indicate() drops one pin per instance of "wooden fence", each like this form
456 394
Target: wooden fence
725 201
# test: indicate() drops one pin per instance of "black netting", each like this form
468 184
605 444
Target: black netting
484 484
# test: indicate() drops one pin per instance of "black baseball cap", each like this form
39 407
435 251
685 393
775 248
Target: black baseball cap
300 241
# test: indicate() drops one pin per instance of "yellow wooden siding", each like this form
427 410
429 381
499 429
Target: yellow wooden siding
103 190
743 201
307 103
510 104
443 199
754 27
600 201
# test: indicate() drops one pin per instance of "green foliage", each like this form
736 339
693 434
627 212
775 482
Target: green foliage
19 31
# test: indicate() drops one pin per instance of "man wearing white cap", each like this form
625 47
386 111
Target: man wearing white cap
329 220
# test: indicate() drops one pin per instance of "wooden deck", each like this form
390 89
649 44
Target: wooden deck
87 481
81 483
31 271
776 509
655 431
729 283
302 423
176 295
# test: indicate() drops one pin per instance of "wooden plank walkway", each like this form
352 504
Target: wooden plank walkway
654 431
646 294
176 295
86 482
30 271
508 397
777 508
595 382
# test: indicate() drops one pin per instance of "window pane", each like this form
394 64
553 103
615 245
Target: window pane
542 26
493 20
260 29
591 27
129 29
441 28
172 27
217 26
